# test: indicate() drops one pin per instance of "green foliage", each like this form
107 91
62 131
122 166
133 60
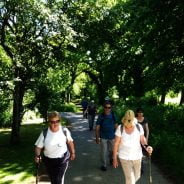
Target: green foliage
68 107
5 117
120 108
142 101
168 149
5 109
172 94
166 136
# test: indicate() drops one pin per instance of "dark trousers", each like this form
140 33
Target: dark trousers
56 169
91 119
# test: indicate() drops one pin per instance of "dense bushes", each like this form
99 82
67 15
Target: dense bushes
6 114
167 138
68 107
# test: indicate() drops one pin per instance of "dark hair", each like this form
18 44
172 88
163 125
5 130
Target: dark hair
107 102
139 110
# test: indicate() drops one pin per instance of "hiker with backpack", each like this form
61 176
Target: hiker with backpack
58 147
144 122
105 133
128 140
91 111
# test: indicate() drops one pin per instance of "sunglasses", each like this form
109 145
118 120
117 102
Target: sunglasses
53 122
107 107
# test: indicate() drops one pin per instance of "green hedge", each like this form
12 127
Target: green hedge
167 138
68 107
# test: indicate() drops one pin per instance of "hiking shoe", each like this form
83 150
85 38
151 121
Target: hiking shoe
103 168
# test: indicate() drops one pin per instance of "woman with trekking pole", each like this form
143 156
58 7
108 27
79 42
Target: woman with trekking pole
128 140
58 147
143 121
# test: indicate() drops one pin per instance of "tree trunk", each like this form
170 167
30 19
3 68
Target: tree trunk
17 112
162 101
138 87
68 95
182 98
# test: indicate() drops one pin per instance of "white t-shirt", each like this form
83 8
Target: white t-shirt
130 147
55 142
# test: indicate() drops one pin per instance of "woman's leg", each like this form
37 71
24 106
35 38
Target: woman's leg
50 166
127 166
137 169
61 173
56 170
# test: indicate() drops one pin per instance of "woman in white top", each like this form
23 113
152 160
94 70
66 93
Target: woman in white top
128 140
55 140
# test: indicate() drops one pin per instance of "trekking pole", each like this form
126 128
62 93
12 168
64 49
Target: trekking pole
37 169
150 175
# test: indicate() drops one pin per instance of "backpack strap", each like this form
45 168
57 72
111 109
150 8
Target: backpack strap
121 128
64 131
138 127
44 131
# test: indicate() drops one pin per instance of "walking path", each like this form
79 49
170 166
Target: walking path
85 169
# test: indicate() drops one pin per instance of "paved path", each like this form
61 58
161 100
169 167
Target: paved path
85 169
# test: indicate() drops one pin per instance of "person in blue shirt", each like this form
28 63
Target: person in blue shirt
105 133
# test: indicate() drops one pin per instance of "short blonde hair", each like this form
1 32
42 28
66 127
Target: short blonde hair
53 114
128 118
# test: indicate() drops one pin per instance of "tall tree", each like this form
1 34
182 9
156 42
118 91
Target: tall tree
28 29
